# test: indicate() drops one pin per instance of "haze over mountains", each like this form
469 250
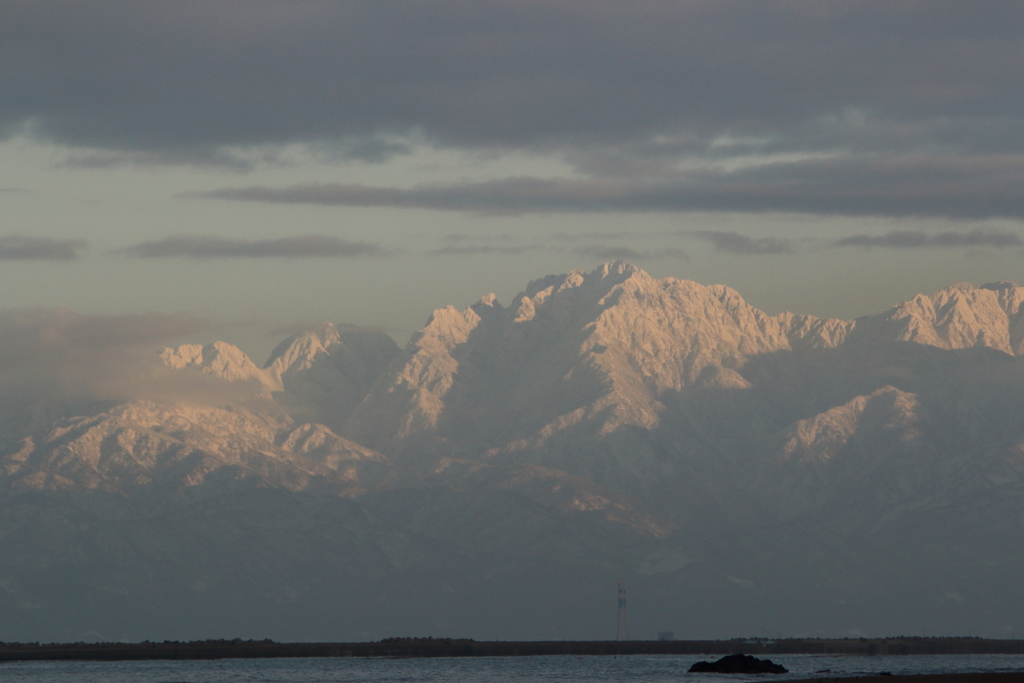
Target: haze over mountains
747 474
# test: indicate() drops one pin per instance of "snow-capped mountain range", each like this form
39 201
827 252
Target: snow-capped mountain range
746 473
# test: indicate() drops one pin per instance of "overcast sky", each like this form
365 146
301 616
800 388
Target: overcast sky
264 164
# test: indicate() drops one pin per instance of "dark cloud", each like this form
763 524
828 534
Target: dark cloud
20 248
204 247
569 237
912 239
600 252
969 188
614 253
120 74
925 91
735 243
201 157
506 196
476 249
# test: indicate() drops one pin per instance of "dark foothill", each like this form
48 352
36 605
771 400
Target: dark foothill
739 664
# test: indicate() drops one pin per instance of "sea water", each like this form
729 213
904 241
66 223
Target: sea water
562 668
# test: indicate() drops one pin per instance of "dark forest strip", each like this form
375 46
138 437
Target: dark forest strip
455 647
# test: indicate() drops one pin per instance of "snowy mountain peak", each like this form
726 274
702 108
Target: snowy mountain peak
960 316
300 349
219 359
142 444
612 273
825 435
328 369
598 349
489 300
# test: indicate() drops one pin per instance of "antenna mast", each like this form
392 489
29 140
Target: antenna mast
623 630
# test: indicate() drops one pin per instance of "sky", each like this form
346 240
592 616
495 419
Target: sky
236 170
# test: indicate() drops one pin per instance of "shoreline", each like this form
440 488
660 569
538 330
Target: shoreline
455 647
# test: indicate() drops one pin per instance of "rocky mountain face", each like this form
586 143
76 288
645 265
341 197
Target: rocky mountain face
748 474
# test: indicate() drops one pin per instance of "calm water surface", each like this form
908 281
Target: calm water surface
568 669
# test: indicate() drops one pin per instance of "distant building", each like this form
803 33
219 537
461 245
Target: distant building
666 635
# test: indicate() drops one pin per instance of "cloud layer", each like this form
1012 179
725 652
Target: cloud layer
858 107
127 75
21 248
975 188
207 247
735 243
913 239
56 362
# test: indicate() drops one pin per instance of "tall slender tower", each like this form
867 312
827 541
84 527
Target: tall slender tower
623 630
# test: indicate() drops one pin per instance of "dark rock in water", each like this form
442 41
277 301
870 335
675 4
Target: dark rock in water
739 664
